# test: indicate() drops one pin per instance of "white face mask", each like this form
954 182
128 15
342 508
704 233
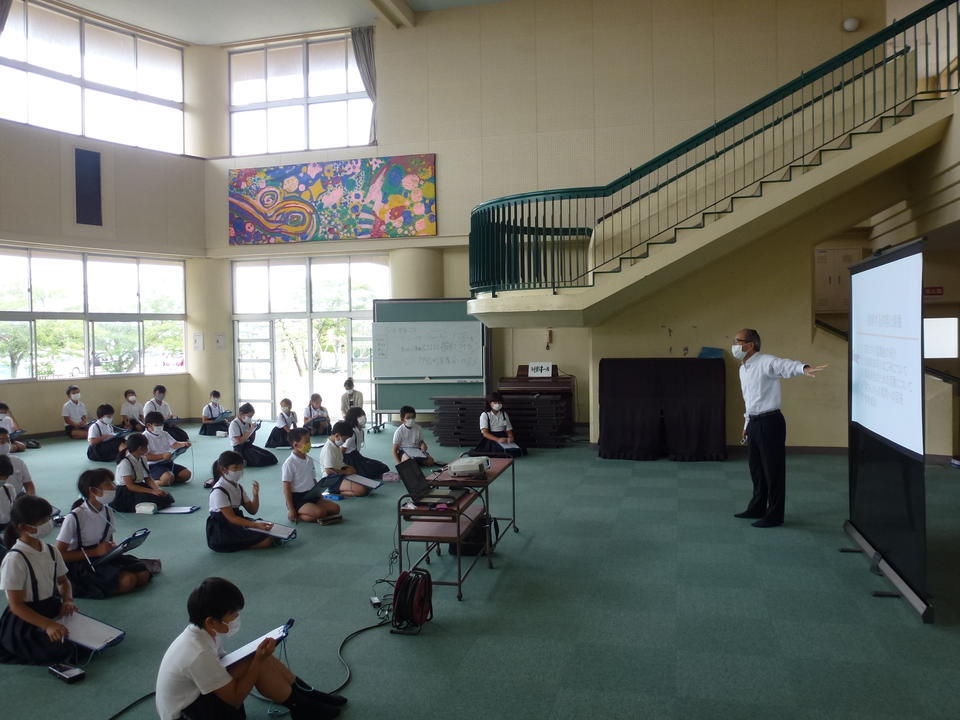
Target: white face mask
3 416
233 475
5 449
107 497
409 422
154 429
496 406
107 420
338 443
738 352
361 421
75 396
43 529
132 399
233 627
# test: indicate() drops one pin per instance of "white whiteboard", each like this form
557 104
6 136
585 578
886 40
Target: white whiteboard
427 349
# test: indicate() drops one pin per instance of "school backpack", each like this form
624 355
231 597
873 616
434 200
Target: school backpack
412 601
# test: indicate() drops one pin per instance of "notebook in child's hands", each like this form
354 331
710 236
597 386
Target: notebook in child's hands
17 433
414 452
178 452
508 445
223 416
89 632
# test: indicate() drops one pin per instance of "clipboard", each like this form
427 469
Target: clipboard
285 533
178 452
279 634
365 481
179 510
132 542
222 416
91 633
413 452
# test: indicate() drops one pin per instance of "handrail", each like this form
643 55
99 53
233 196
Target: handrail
535 240
767 101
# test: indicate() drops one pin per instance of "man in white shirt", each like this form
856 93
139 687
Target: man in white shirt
764 428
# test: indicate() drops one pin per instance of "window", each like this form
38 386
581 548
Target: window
305 326
61 71
66 315
298 96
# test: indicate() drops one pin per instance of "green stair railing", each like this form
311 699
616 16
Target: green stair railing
557 239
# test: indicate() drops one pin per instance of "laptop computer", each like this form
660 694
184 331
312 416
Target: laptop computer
420 490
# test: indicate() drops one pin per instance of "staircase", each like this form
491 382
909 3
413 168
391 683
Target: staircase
573 257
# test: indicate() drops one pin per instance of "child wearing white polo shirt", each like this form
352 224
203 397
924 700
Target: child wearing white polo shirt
408 440
21 479
131 412
159 404
103 443
159 453
9 423
192 681
335 471
74 415
299 480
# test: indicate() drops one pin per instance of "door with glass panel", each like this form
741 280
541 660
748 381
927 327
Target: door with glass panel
255 366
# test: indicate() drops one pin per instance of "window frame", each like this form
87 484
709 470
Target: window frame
84 84
305 102
309 314
89 319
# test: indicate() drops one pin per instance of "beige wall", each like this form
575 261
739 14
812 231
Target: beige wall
37 405
153 202
209 311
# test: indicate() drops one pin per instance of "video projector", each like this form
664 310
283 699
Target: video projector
469 466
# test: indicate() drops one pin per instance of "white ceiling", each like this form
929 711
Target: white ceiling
212 22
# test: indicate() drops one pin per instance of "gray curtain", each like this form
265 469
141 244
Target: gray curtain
363 51
5 6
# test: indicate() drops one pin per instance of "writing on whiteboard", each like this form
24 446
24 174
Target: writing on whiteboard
427 349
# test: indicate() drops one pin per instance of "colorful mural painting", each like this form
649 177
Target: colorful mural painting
367 198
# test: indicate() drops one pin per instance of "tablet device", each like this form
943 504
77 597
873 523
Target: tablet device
278 634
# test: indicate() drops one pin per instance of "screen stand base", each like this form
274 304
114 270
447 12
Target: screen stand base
922 607
886 594
850 550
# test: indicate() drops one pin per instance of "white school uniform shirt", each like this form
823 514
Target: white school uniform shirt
21 474
233 496
14 574
237 428
311 412
8 423
331 457
153 406
76 411
92 524
354 442
131 411
495 422
8 493
190 668
760 382
212 410
157 444
100 429
131 466
284 419
408 436
349 400
301 473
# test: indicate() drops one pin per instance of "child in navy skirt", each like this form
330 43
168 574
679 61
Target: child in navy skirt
134 484
228 530
209 423
34 577
87 534
242 433
286 421
496 428
356 418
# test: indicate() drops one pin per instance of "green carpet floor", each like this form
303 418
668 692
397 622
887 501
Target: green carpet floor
630 592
